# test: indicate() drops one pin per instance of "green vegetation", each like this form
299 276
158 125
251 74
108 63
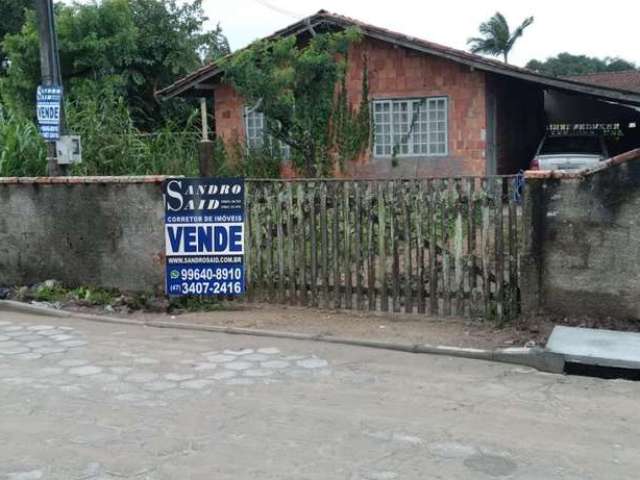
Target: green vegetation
12 17
132 46
351 130
93 296
294 87
496 37
113 145
22 151
53 291
115 54
566 64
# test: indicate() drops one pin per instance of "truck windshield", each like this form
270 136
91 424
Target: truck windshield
560 145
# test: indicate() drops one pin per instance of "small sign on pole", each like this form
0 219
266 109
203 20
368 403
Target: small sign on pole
204 236
49 108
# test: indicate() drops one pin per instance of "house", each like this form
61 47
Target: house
477 116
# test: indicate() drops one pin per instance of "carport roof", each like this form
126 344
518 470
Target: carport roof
625 80
197 80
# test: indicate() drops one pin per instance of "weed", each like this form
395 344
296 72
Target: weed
93 296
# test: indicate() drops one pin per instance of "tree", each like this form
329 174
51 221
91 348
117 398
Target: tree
12 17
217 47
497 39
295 88
566 64
136 46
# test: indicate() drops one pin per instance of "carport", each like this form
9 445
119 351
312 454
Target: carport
521 106
562 107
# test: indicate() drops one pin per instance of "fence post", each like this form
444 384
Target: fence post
205 158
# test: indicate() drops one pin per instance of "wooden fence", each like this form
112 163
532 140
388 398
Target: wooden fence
438 246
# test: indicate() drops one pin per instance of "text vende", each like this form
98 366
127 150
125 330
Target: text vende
205 239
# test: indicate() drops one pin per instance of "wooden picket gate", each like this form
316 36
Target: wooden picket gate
439 246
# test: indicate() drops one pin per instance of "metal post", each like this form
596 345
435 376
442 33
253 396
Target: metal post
205 149
203 116
50 70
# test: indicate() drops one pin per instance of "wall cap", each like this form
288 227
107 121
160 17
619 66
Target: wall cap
85 180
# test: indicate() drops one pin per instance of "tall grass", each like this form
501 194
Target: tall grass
112 145
22 151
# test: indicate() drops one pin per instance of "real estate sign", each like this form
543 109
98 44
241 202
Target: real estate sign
204 236
49 109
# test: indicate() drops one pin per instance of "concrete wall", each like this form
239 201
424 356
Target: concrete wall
105 232
583 248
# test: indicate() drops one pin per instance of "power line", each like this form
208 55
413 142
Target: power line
280 10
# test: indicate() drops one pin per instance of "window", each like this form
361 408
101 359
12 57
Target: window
414 127
256 136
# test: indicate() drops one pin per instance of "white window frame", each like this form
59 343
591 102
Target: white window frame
392 119
254 134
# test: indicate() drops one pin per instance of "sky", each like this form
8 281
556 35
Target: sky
587 27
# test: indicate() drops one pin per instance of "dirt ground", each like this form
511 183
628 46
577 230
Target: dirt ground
403 328
388 327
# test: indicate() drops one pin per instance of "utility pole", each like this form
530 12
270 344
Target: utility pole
50 71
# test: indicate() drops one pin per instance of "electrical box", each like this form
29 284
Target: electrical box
69 149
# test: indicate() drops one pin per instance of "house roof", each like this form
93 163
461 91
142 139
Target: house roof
626 80
197 79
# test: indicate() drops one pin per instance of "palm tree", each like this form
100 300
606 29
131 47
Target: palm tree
496 37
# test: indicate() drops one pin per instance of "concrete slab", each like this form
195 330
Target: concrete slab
589 346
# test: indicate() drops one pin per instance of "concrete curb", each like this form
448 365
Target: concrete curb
537 358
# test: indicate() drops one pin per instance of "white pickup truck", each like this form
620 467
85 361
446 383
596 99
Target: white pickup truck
570 152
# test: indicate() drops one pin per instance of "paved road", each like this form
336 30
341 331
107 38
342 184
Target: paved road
82 400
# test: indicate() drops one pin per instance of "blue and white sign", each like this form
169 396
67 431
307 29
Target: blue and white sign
204 236
49 110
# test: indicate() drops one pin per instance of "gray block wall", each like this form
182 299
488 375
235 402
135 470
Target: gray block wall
105 232
583 248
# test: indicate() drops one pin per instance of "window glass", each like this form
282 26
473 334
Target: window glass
256 135
410 127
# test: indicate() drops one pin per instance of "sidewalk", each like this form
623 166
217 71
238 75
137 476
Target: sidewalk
401 328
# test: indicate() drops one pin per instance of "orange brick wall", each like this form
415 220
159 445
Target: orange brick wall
395 72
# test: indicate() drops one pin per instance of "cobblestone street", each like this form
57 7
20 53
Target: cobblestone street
83 400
